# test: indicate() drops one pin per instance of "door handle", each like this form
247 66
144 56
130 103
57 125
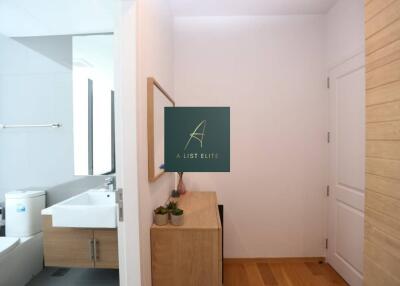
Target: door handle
95 243
91 248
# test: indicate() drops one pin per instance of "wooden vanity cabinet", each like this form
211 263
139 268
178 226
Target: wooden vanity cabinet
191 254
79 247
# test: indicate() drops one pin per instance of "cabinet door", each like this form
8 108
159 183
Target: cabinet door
67 247
106 248
185 257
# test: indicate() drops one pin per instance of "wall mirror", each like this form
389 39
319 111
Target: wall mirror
93 104
157 100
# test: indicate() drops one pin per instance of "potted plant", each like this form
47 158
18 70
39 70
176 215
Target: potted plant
161 216
177 217
171 206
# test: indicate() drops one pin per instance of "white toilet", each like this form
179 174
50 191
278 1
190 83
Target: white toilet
21 251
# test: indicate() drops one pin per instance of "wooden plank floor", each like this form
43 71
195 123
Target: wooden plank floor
280 273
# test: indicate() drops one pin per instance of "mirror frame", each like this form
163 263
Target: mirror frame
151 83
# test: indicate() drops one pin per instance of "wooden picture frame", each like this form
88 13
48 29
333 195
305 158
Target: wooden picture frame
154 91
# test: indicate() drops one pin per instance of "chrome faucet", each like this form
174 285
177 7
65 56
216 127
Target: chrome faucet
110 184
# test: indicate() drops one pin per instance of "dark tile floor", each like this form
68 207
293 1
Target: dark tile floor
75 277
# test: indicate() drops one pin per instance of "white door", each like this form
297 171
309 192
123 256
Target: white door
346 174
126 147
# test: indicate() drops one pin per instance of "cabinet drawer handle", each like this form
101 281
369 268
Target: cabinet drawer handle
91 248
95 243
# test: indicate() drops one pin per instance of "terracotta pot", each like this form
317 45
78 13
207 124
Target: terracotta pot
161 219
177 219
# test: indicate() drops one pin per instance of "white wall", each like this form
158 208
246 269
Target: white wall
344 31
154 58
34 89
271 72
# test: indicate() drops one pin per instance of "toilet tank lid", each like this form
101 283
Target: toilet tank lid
22 194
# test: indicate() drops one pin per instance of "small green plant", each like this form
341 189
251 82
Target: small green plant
161 210
171 206
177 212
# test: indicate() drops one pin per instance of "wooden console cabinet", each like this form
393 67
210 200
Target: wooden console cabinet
189 255
79 247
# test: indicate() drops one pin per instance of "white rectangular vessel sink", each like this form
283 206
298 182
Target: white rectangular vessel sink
92 209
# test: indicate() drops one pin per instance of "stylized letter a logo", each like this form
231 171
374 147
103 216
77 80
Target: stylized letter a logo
197 135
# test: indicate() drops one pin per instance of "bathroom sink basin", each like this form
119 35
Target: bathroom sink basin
91 209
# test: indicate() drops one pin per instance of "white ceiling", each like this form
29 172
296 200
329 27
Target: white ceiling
21 18
183 8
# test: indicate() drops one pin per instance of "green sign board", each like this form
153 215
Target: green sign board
197 139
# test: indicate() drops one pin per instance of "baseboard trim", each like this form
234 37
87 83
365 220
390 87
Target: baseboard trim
275 260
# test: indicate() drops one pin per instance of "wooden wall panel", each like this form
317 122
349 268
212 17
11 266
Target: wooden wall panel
383 112
375 7
386 224
381 57
387 186
376 275
377 237
383 149
382 19
385 93
384 37
383 167
387 260
384 204
382 200
384 75
383 131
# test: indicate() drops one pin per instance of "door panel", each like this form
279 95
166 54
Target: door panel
347 169
350 129
349 234
66 247
106 243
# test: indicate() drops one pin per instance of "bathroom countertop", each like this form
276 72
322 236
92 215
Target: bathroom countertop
200 212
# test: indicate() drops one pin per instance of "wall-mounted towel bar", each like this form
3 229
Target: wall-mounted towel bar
52 125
